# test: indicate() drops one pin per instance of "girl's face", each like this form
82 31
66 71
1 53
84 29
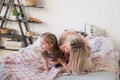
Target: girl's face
44 45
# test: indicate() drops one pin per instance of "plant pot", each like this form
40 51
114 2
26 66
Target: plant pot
31 2
13 18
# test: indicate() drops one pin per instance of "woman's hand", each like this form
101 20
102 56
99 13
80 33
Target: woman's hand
62 47
64 64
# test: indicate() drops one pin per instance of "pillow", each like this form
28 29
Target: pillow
35 45
94 31
104 56
101 45
37 42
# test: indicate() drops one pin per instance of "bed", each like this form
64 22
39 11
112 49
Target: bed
102 75
26 64
106 66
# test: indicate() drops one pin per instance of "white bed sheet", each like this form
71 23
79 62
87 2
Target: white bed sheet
102 75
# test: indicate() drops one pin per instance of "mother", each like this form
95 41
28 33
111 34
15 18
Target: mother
78 51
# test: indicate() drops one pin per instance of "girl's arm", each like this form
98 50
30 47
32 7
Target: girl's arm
46 64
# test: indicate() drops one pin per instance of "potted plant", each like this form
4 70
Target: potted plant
15 13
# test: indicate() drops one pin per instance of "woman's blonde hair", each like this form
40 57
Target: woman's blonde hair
66 34
80 52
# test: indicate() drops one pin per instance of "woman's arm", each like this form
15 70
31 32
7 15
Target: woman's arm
63 62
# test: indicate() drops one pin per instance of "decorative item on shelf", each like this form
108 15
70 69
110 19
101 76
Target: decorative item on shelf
29 33
3 39
31 2
5 31
14 13
10 44
13 31
34 19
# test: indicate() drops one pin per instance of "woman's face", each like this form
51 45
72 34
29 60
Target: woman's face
67 46
44 46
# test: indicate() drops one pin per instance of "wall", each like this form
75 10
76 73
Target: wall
73 14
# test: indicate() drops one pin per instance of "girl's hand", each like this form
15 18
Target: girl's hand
47 69
53 62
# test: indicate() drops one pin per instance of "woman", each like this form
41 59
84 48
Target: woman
79 51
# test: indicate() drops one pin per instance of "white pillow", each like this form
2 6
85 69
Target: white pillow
33 46
101 45
94 31
37 42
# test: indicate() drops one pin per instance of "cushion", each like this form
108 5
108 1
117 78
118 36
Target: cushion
101 45
95 31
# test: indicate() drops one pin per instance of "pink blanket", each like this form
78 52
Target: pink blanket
27 66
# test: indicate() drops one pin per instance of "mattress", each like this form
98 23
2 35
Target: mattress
102 75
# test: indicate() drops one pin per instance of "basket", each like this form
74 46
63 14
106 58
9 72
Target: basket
9 44
31 2
29 34
5 31
0 1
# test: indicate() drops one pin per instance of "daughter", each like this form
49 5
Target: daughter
50 51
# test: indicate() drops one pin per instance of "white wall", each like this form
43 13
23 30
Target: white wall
73 14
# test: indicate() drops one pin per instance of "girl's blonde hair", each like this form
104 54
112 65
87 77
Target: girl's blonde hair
50 38
80 52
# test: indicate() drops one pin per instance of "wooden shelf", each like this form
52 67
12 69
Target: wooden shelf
13 36
33 6
21 20
21 5
10 35
17 38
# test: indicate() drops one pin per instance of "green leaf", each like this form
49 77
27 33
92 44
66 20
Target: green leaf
14 13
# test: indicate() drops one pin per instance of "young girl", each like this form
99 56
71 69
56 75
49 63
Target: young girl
50 51
79 59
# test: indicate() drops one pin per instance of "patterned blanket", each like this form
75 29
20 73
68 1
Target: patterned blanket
25 65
